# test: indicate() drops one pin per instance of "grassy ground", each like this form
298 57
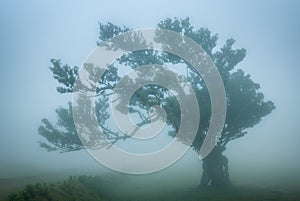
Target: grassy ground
104 188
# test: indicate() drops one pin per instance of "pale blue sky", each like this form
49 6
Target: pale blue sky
33 32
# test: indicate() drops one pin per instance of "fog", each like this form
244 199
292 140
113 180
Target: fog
33 32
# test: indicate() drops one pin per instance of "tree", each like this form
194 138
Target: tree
245 103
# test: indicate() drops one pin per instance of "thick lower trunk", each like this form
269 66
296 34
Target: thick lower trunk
215 170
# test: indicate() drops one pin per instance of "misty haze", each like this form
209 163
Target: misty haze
92 110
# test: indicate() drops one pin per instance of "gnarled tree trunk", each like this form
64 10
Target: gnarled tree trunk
215 169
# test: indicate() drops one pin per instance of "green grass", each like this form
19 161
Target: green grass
98 188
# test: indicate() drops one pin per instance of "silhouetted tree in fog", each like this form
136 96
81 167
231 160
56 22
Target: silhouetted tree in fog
245 103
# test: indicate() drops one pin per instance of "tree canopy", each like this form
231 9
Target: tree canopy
246 105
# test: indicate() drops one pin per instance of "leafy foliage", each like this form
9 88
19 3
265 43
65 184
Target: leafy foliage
245 103
75 188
